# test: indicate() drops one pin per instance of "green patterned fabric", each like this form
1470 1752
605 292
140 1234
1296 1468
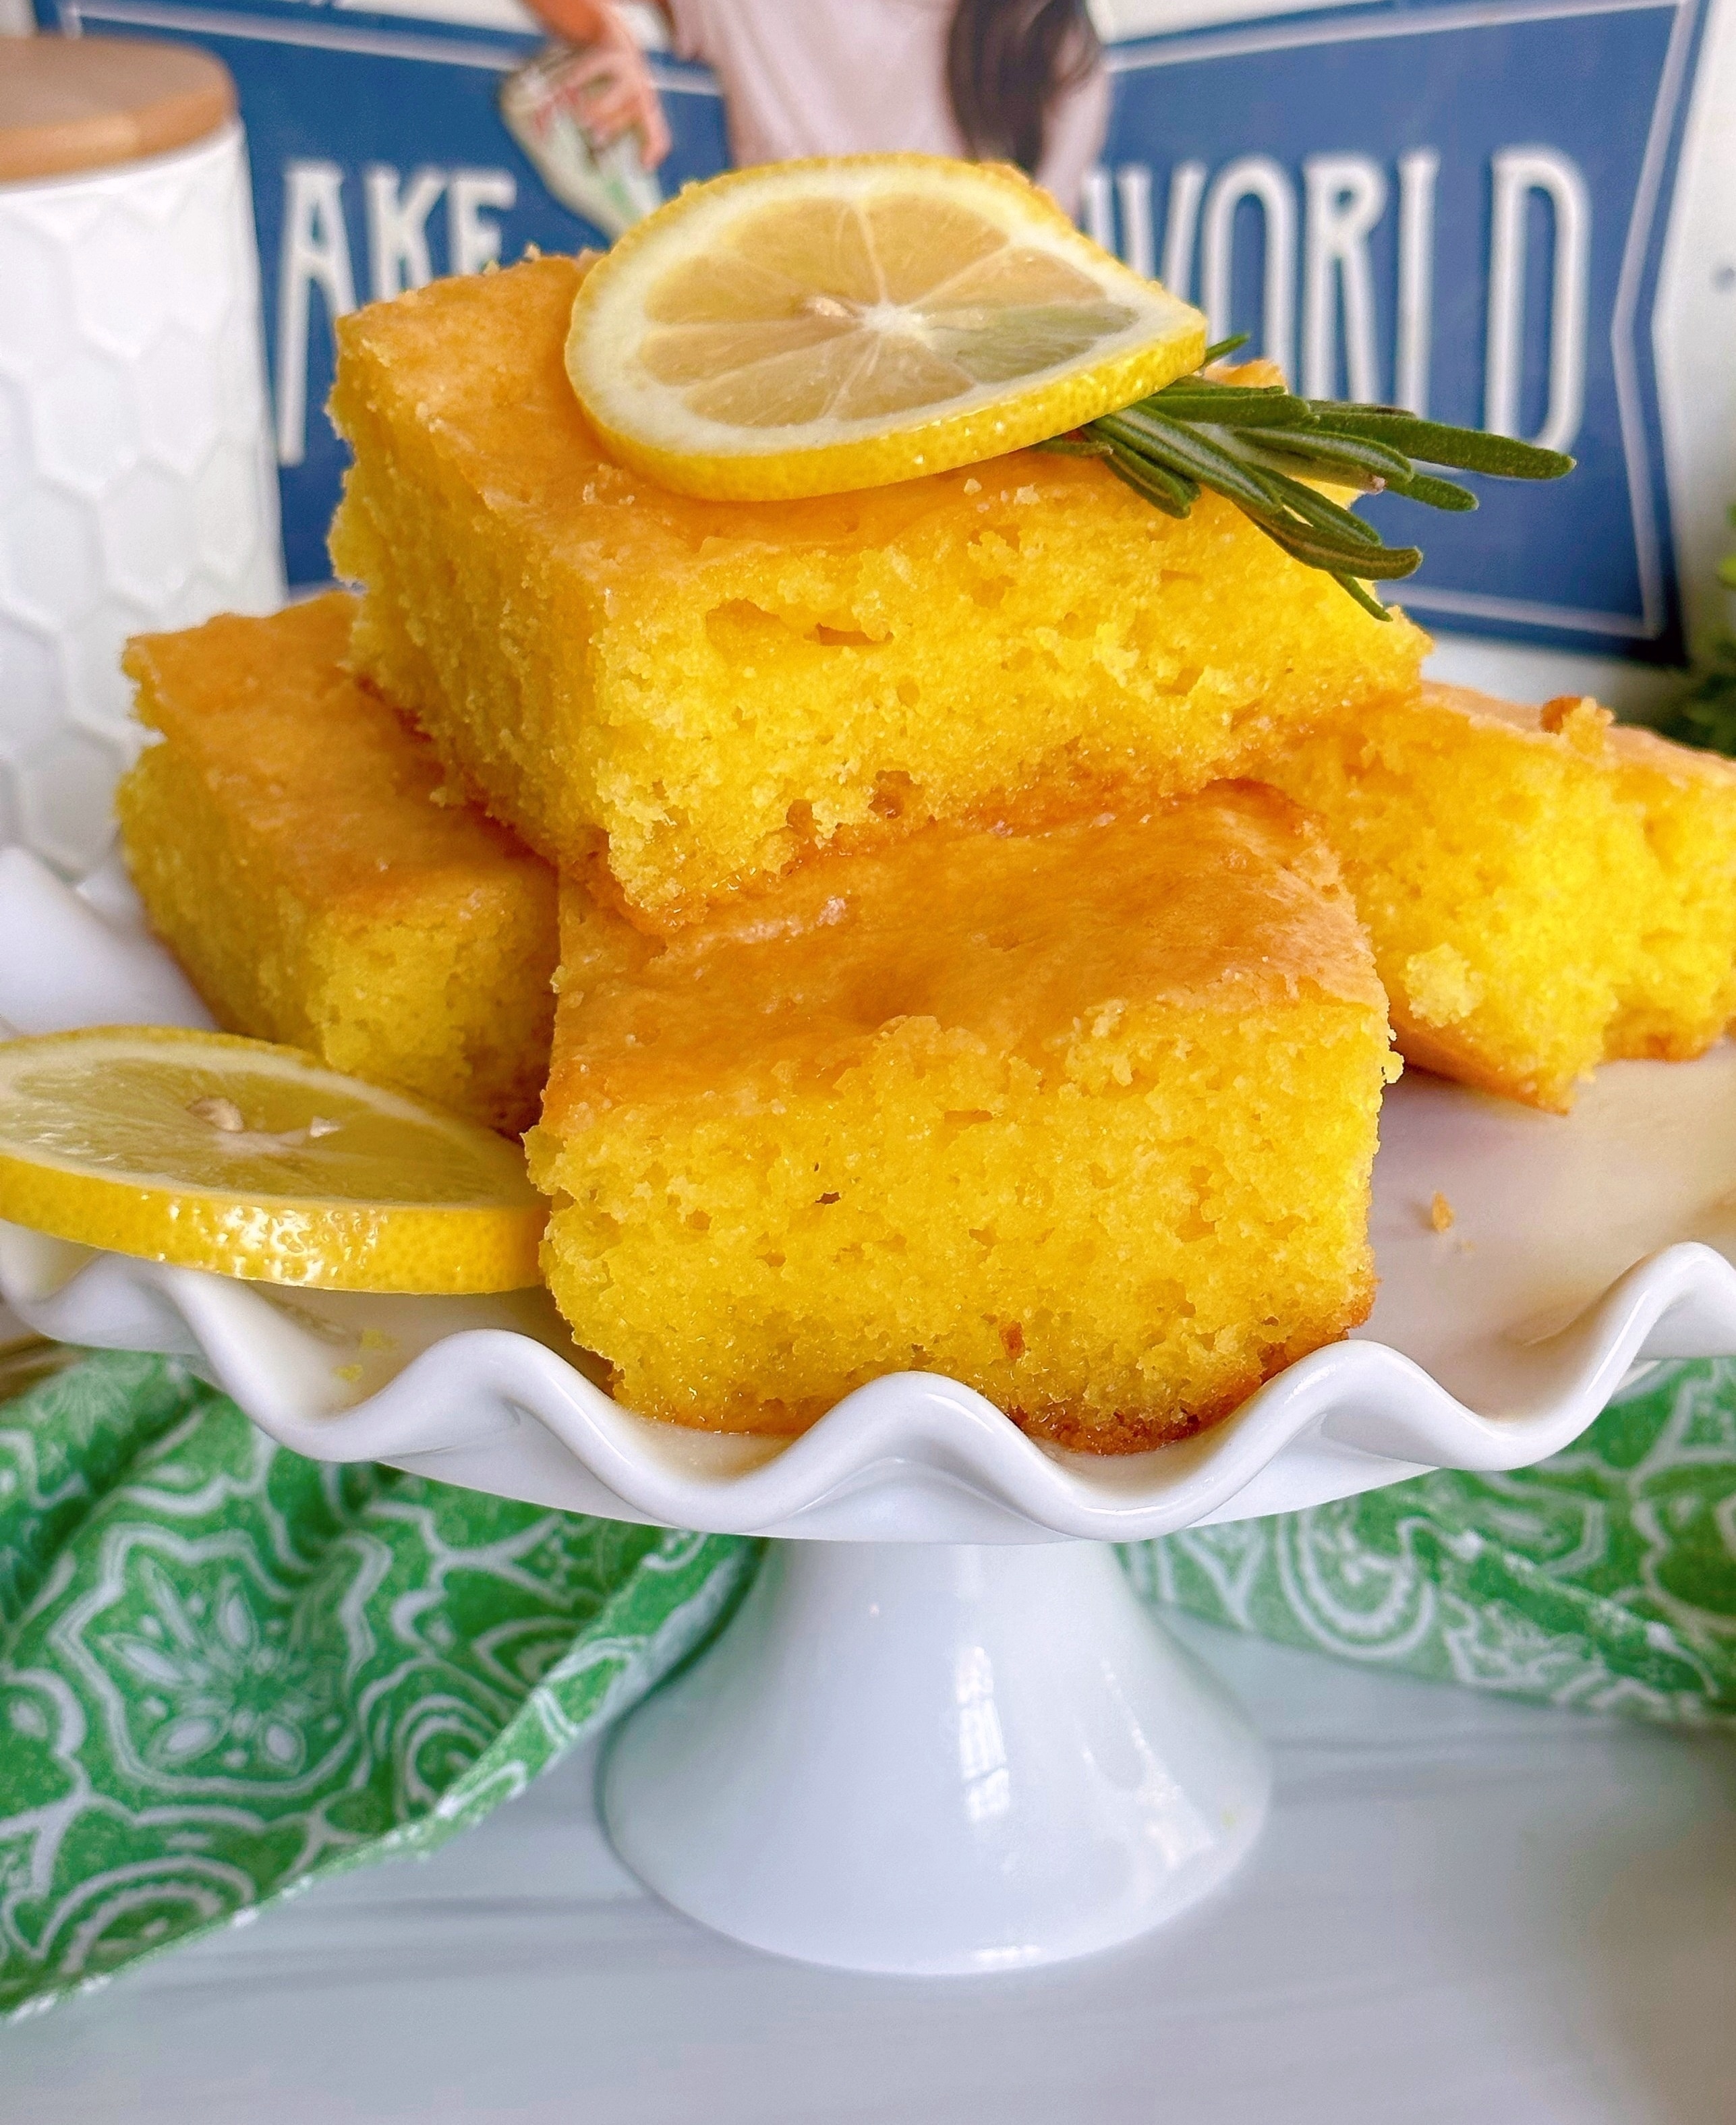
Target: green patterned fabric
226 1671
1605 1578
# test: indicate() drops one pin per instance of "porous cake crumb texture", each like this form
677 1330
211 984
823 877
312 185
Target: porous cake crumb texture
1083 1119
285 837
1544 890
714 690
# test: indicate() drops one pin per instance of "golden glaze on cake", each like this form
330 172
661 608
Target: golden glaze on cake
714 690
294 844
1083 1118
1546 889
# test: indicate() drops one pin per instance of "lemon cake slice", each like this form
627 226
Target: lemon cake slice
711 691
1084 1116
296 846
1546 889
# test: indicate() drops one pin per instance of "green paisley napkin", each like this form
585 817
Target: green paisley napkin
226 1671
1605 1578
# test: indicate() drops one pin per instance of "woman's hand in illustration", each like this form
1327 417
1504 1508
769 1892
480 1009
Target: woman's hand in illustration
607 80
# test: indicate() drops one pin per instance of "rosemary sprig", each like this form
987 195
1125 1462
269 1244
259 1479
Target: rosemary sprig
1259 446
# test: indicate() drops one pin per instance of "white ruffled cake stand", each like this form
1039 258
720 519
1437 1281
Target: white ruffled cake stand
940 1734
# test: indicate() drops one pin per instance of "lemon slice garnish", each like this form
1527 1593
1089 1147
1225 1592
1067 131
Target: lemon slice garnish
816 327
218 1153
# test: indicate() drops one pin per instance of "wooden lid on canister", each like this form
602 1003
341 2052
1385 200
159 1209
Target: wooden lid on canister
69 104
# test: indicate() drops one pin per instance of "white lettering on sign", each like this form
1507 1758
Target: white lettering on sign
1182 224
1133 189
314 253
471 242
1416 174
1518 174
1258 178
1096 207
1346 196
397 229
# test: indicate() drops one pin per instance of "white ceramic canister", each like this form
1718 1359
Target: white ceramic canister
137 487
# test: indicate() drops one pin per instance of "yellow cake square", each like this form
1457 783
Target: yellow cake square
295 845
1546 889
1084 1116
710 692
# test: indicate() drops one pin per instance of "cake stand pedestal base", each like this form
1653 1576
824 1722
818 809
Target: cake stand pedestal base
936 1759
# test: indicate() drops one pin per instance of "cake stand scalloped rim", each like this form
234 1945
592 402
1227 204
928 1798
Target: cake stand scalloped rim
1376 1415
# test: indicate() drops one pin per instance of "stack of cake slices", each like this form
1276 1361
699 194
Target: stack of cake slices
972 907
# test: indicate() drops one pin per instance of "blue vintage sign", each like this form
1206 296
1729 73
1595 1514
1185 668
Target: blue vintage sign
1461 207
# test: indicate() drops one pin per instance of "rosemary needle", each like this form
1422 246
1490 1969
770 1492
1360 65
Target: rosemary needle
1269 452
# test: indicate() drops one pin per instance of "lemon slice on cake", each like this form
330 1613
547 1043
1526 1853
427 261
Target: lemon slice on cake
255 1161
816 327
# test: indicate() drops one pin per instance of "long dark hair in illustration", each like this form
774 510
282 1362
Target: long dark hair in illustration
1006 61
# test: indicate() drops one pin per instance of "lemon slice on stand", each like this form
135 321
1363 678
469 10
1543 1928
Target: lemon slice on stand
255 1161
812 327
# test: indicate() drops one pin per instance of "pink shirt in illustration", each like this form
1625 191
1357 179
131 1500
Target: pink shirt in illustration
849 76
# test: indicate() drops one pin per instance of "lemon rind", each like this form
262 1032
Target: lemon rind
362 1247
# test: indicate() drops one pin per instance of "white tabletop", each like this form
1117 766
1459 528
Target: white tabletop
1462 1910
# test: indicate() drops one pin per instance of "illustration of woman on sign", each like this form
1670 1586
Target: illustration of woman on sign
1017 81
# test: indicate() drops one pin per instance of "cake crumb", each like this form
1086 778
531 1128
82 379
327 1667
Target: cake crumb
1580 719
973 487
1440 986
349 1374
1440 1212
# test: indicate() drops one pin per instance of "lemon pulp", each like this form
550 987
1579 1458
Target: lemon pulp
219 1153
812 327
